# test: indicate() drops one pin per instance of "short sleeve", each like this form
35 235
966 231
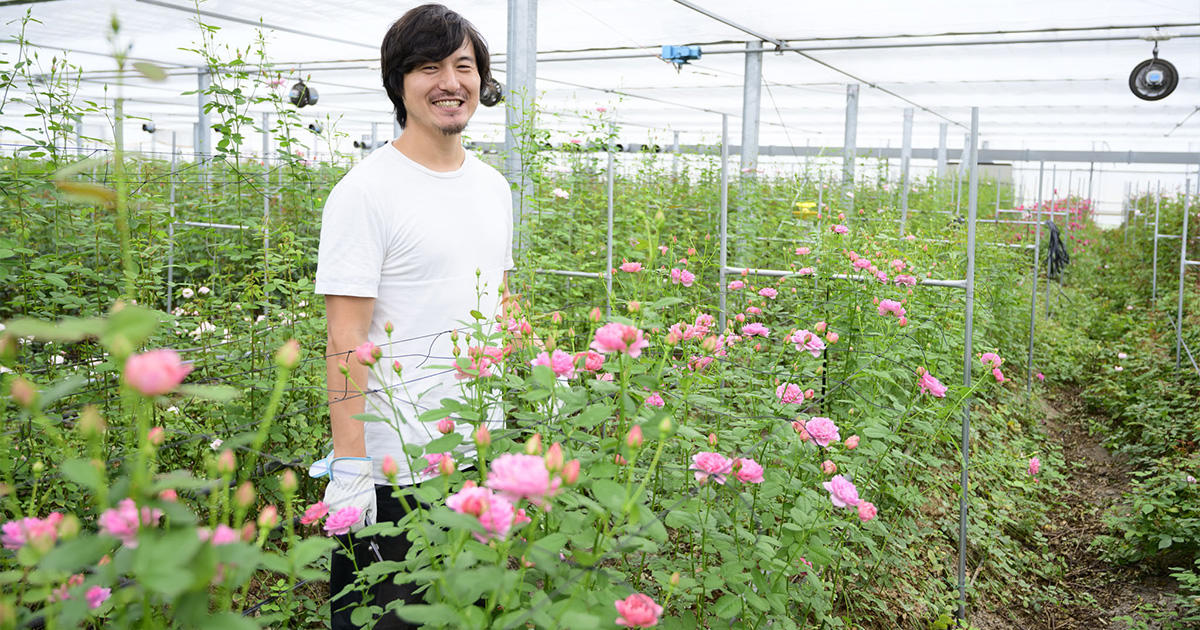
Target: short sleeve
351 252
508 206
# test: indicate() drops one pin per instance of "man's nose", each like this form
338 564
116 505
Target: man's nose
448 80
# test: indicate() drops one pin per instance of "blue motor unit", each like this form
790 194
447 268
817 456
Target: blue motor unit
680 55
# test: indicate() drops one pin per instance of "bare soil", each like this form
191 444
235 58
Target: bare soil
1092 593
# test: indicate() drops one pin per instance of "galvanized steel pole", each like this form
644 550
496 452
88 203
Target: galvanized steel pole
751 105
943 133
851 136
1154 259
171 232
521 73
266 147
972 200
905 159
608 271
1183 237
724 228
1037 250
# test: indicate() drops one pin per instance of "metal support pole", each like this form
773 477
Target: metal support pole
608 271
171 232
905 158
1037 250
521 71
266 218
1183 237
79 136
943 133
972 200
675 155
1154 259
204 126
851 136
1125 214
1091 166
751 105
724 228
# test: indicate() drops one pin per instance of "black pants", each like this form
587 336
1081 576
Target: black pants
341 569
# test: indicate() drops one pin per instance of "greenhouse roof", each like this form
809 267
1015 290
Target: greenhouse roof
1046 74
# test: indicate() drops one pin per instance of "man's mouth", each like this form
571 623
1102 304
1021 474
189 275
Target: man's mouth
448 103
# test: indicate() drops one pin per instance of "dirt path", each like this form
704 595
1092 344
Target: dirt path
1095 594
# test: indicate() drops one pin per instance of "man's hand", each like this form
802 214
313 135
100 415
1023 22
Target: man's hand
351 484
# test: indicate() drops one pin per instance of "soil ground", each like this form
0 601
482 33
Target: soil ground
1096 594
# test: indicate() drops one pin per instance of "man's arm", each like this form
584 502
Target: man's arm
348 320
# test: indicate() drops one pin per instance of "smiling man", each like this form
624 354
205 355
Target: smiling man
413 238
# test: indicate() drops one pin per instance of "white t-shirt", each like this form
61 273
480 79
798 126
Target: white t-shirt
415 239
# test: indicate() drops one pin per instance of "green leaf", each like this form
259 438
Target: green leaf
65 330
444 444
72 555
227 621
217 393
578 620
151 71
436 614
610 494
82 472
728 606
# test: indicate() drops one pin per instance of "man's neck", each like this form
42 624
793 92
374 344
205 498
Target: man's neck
436 152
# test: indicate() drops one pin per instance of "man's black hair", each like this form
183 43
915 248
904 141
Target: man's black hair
430 32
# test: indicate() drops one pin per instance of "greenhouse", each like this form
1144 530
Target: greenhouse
672 314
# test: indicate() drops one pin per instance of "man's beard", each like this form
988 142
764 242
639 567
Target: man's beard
453 130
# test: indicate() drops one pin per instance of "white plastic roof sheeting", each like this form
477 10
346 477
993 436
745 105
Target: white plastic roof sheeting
1057 95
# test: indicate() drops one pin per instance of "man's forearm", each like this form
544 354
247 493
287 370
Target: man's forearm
345 398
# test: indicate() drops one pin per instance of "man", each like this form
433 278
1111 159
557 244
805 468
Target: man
417 236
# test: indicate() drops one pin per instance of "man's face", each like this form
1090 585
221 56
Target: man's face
442 95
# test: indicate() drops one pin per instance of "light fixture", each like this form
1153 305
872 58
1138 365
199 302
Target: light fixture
149 127
301 94
491 93
1153 79
315 127
679 55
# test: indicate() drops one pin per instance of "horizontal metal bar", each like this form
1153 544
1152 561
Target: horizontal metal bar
1192 262
572 274
220 226
893 153
780 273
1161 236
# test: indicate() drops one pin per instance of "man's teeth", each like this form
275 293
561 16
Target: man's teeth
448 103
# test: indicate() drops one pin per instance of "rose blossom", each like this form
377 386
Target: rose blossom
631 267
156 372
768 292
495 513
522 477
655 400
807 341
891 306
828 467
708 464
124 520
991 358
434 461
30 530
341 521
789 394
618 337
562 363
866 511
314 513
842 492
592 360
802 251
734 285
748 470
905 280
637 611
851 442
1035 465
930 384
749 330
96 596
822 430
839 229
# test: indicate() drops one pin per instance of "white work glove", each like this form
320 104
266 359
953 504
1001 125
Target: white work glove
350 483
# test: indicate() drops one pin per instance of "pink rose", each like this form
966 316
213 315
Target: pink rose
852 442
748 470
990 359
445 426
842 492
156 372
15 534
519 477
930 385
637 611
1035 465
713 465
314 513
592 361
734 285
808 342
805 271
998 375
368 353
839 229
562 363
631 267
822 430
96 596
866 511
749 330
802 251
495 513
891 306
433 462
768 293
905 280
618 337
655 400
789 394
124 520
341 521
828 467
682 276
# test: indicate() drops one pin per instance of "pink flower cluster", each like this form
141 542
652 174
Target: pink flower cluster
716 466
789 394
495 513
839 229
906 280
891 306
562 363
929 384
341 521
822 431
750 330
631 267
990 359
124 521
655 400
768 292
807 342
618 337
31 530
697 330
682 276
518 476
591 360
